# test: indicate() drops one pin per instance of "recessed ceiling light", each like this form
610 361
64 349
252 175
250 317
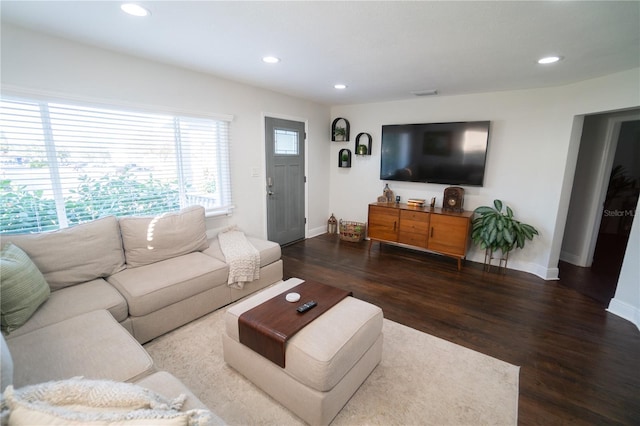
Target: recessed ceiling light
134 9
549 60
340 86
270 59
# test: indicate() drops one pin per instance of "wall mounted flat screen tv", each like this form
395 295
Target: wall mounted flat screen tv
447 153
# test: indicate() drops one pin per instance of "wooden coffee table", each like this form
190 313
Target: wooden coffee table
267 327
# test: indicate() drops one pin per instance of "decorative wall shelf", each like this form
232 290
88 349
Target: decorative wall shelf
361 148
340 123
347 163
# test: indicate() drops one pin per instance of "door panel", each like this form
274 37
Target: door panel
383 223
448 234
284 149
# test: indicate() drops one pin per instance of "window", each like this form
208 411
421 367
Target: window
63 164
286 142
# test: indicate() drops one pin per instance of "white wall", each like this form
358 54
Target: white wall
42 64
626 302
531 160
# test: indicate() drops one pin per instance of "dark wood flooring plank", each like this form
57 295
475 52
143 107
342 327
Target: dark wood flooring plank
579 363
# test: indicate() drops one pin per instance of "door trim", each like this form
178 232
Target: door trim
263 175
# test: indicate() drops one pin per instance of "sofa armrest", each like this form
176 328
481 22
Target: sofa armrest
269 251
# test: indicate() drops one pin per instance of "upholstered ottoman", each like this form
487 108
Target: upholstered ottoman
325 362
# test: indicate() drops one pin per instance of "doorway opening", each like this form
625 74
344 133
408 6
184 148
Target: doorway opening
591 262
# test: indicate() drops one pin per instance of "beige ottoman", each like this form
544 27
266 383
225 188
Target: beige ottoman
326 362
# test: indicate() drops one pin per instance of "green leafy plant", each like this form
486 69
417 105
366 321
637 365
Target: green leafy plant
121 194
21 209
340 132
495 228
619 182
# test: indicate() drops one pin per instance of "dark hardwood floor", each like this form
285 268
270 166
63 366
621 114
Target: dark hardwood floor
578 363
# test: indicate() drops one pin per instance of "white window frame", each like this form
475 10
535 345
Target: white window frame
186 198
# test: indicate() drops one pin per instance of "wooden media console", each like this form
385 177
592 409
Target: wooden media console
431 229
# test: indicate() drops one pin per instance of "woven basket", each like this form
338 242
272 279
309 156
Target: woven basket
352 231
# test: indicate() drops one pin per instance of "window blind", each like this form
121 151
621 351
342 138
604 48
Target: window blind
64 164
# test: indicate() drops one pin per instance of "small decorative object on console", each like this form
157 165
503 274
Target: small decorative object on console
416 202
453 199
387 193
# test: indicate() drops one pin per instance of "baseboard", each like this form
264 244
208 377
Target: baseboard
314 232
571 258
548 274
551 274
625 310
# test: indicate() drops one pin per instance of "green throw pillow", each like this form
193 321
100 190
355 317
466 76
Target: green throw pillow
22 287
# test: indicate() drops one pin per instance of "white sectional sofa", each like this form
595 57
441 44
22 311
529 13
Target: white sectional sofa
114 284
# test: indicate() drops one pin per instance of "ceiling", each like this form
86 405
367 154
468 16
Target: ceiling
381 50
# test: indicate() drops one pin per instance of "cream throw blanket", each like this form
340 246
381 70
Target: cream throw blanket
241 256
97 402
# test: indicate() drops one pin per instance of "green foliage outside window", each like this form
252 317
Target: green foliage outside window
23 209
121 194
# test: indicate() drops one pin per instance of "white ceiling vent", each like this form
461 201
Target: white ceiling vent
430 92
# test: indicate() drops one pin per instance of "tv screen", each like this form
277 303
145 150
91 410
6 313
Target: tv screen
447 153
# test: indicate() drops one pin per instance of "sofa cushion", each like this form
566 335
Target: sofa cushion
153 287
22 287
97 402
155 238
269 251
75 300
92 345
75 255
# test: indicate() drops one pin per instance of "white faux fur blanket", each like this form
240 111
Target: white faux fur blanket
85 401
241 256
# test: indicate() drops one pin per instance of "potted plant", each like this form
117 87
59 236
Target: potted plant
494 228
339 133
344 159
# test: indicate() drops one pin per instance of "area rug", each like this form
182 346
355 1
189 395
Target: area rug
421 380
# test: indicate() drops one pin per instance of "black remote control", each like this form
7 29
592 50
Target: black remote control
304 308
